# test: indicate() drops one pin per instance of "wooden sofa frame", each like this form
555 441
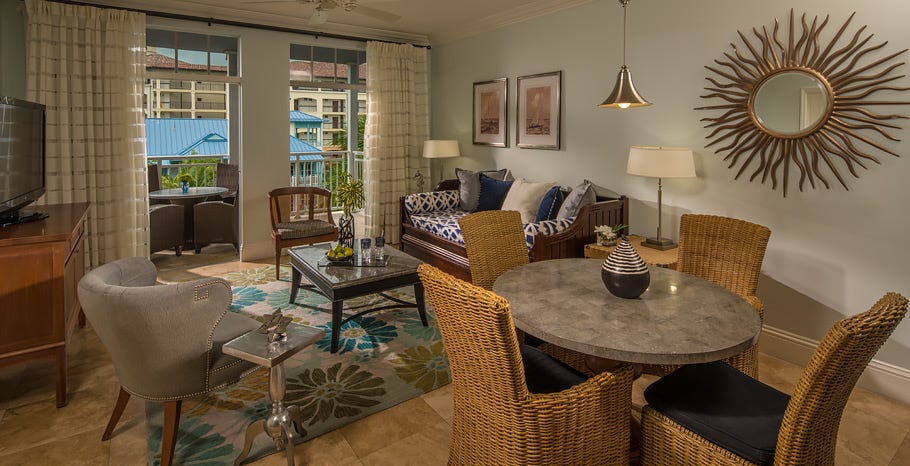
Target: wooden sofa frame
452 258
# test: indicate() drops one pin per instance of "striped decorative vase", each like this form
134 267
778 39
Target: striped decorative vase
624 273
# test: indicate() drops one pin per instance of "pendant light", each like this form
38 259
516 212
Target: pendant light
624 94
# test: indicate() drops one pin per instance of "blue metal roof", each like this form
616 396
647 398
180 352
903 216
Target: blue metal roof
298 146
298 116
180 136
202 136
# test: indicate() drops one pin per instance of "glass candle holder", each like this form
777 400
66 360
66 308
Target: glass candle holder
379 248
365 249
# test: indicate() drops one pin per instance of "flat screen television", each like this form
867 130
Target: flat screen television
21 158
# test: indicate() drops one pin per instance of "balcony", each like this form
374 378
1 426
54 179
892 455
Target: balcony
305 168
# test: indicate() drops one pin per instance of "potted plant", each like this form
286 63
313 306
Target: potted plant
348 193
606 235
183 180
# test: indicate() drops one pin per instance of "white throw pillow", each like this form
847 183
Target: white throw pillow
524 196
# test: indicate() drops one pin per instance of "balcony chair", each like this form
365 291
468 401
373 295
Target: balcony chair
228 176
164 340
215 222
300 215
154 183
728 252
714 414
515 405
166 222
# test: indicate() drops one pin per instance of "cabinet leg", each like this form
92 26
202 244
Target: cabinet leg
60 357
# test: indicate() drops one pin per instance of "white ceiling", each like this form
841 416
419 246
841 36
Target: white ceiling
422 21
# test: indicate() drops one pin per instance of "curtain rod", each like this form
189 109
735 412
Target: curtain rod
227 22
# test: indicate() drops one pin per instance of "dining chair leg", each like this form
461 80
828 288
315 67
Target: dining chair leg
122 398
169 436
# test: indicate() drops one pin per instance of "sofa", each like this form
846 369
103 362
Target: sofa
429 228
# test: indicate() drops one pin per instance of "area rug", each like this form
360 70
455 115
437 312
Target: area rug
385 358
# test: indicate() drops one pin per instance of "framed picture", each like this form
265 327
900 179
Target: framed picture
539 110
491 102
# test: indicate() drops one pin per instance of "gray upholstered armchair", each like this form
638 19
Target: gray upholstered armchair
165 340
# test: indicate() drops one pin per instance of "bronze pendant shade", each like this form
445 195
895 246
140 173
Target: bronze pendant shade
624 94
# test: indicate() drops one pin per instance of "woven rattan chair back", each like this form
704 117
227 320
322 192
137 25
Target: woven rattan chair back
808 434
495 243
723 250
496 420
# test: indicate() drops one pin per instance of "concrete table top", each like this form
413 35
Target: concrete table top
680 319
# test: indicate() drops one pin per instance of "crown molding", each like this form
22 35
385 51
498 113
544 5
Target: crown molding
255 18
528 11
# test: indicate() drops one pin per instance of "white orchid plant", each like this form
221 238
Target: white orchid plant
608 234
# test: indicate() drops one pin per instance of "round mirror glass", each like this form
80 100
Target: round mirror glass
790 102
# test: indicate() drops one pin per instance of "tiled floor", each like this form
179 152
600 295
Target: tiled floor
875 430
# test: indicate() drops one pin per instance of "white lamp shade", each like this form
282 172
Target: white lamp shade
661 162
440 149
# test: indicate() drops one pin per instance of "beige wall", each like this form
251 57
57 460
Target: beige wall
832 252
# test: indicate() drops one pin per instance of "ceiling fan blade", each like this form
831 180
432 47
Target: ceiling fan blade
376 14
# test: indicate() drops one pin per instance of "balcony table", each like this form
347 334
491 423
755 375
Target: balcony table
187 199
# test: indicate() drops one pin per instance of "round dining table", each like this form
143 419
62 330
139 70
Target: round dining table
679 319
187 199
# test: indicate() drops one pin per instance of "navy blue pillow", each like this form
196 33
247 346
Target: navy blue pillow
492 193
549 205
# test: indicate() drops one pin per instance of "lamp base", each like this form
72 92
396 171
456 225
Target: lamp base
659 243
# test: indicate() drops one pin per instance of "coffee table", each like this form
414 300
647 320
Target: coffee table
341 281
284 424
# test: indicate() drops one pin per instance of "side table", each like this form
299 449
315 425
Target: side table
667 258
254 347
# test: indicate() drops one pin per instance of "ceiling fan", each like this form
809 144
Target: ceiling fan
323 7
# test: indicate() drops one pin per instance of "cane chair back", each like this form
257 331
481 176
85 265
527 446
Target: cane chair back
495 243
497 420
728 252
300 215
808 433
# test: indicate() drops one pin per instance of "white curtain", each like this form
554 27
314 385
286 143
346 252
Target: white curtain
397 124
86 65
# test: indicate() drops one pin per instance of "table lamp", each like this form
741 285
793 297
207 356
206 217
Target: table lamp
437 149
660 162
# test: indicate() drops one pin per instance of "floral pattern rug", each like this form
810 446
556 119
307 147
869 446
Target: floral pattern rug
384 358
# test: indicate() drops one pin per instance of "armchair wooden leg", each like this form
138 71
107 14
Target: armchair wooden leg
122 398
277 262
169 436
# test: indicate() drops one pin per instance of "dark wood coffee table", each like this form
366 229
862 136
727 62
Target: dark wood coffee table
339 282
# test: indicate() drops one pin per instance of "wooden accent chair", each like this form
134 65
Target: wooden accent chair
164 340
714 414
294 212
728 252
508 408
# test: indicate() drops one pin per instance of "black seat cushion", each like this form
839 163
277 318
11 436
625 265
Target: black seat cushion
724 406
546 374
531 340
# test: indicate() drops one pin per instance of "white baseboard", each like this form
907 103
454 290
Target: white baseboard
256 251
880 377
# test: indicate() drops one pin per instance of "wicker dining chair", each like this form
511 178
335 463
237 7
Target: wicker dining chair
494 241
497 419
713 414
728 252
300 215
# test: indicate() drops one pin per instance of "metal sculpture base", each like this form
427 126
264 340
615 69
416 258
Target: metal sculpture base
283 424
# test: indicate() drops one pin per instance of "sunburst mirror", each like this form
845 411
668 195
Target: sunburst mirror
803 104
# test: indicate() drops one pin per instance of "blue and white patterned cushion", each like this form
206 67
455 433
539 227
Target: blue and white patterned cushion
431 202
445 225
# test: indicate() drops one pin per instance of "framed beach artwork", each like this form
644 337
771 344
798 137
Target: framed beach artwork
491 127
539 111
